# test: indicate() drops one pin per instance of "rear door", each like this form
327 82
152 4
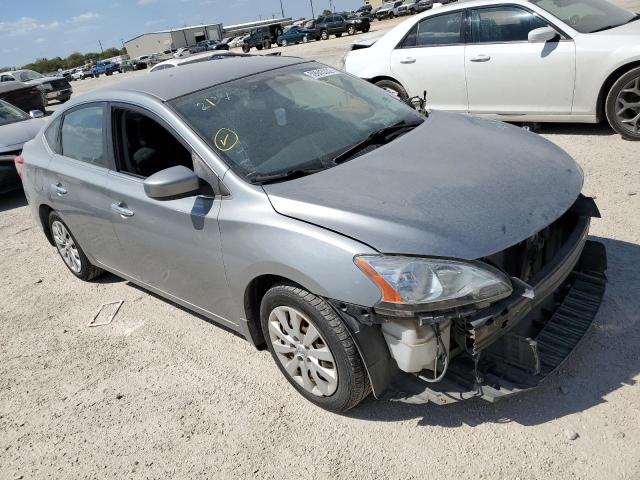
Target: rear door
508 75
77 176
431 58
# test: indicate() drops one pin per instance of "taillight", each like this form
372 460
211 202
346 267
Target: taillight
19 161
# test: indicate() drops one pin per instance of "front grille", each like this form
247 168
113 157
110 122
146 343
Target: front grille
528 257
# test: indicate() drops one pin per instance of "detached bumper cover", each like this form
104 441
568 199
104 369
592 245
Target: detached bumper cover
505 359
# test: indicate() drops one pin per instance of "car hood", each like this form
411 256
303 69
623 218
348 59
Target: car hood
457 186
14 135
40 81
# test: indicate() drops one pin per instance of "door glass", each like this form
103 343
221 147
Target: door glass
440 30
82 135
51 134
503 24
145 147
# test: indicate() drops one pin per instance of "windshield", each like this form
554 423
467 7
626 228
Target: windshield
587 16
294 118
27 75
10 114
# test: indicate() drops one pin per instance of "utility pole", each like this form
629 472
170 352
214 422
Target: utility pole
281 9
313 15
101 49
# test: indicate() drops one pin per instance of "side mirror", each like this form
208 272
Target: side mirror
174 182
542 35
36 113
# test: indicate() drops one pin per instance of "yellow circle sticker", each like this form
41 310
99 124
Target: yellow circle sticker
225 139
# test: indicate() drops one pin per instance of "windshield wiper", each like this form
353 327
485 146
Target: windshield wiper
287 175
384 134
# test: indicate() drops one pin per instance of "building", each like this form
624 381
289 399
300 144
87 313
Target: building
158 42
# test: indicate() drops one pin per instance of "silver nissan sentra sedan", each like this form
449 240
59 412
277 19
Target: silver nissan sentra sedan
371 247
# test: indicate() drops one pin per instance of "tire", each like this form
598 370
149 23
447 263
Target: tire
284 43
259 47
622 117
391 16
350 384
266 44
246 48
76 261
324 35
351 30
305 39
392 86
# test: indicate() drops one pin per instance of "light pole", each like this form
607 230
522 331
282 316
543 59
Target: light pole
281 9
313 15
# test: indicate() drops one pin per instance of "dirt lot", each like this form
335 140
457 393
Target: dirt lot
162 393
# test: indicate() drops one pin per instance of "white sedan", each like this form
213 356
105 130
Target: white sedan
530 61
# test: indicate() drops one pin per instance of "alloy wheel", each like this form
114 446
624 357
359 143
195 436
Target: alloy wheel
66 246
628 106
302 351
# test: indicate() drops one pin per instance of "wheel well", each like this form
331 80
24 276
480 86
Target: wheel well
43 213
608 83
252 299
374 80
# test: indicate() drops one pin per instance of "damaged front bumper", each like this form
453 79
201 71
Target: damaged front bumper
506 348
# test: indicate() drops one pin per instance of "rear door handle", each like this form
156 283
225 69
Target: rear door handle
60 191
480 58
121 209
408 60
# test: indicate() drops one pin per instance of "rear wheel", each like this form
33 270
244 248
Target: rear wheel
623 105
313 348
69 250
391 15
305 39
246 48
393 88
284 43
351 29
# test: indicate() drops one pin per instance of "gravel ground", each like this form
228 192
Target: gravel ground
163 393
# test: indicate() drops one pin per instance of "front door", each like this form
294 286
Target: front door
431 59
506 74
172 246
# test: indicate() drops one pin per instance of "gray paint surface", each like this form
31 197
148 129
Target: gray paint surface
456 186
14 135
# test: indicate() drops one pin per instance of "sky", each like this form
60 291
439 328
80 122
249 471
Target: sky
31 29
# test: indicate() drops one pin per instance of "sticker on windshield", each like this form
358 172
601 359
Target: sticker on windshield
225 139
321 73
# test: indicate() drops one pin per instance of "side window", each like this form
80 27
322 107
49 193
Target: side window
411 39
52 135
503 24
82 135
440 30
144 147
8 78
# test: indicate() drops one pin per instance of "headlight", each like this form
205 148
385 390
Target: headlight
434 283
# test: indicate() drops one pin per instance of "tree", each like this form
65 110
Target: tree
76 59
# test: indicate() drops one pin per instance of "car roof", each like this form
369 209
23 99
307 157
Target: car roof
175 82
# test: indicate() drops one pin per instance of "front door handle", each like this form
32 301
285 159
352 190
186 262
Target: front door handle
121 209
59 189
408 60
480 58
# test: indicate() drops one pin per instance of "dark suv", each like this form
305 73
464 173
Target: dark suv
337 25
262 37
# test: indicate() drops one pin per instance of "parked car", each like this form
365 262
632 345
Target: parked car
238 41
127 66
577 62
212 45
199 57
82 73
142 62
287 201
104 68
293 36
389 10
424 5
16 128
262 37
409 7
337 25
53 88
25 97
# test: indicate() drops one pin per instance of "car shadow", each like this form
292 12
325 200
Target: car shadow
605 360
592 129
12 200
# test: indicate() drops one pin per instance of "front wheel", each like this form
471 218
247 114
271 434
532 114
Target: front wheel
246 48
69 250
324 35
313 348
391 15
351 30
623 105
393 88
266 45
305 39
284 43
